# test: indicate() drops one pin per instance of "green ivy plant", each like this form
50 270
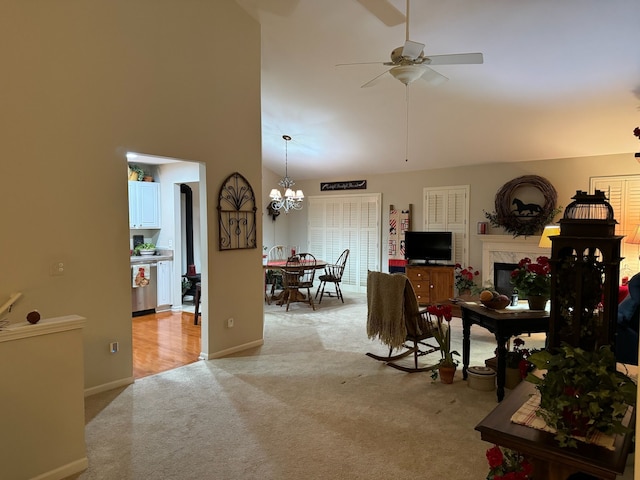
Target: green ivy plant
581 392
144 246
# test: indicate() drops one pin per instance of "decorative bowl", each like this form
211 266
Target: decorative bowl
147 252
497 303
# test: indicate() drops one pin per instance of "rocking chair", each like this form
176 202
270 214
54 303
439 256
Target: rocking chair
394 317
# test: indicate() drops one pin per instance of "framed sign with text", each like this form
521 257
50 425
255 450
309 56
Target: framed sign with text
347 185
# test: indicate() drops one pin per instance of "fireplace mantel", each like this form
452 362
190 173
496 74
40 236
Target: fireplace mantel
507 249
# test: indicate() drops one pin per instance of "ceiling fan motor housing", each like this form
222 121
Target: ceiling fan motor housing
397 57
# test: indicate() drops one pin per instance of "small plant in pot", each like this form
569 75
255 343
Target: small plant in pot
581 392
447 365
145 249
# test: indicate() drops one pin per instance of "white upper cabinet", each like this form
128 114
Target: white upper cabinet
144 205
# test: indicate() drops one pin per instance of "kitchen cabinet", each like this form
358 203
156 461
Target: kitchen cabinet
144 205
164 273
432 283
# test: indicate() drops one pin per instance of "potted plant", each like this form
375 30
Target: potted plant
464 279
136 173
518 365
506 464
145 249
581 392
533 280
447 365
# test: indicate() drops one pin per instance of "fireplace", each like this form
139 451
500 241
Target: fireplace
501 254
502 277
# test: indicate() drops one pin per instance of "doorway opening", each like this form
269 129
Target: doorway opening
165 334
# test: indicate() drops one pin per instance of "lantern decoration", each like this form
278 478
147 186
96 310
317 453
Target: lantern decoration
585 263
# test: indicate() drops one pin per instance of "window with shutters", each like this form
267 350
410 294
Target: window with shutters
447 209
623 193
349 221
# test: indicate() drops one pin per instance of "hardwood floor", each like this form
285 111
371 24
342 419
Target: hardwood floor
164 341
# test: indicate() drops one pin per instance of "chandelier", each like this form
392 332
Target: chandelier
291 200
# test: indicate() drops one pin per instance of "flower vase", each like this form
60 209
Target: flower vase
537 302
447 374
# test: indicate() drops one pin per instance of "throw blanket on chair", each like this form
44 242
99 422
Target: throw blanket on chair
386 308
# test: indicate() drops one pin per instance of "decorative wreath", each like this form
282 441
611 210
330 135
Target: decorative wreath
525 219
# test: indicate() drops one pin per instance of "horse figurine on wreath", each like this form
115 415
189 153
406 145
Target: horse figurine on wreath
521 207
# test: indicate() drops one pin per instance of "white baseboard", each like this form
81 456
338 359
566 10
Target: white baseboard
229 351
123 382
64 471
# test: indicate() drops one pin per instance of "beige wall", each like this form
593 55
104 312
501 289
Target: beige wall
400 189
84 82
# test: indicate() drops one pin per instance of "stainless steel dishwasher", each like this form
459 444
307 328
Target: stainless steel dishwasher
145 299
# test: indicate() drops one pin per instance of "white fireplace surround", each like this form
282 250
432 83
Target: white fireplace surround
507 249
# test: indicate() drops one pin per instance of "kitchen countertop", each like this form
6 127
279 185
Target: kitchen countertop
151 258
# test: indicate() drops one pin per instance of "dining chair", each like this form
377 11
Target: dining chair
273 277
298 274
333 274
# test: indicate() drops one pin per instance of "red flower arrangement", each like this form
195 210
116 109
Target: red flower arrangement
507 465
532 278
464 278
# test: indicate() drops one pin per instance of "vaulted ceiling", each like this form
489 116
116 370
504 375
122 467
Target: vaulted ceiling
559 79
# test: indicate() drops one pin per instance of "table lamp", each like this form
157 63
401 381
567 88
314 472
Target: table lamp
549 231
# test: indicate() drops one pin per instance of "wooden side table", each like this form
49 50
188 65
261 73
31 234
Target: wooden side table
503 326
550 461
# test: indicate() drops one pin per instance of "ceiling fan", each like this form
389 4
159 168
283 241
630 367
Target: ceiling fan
409 63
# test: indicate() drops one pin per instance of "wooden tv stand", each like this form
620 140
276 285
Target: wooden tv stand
431 282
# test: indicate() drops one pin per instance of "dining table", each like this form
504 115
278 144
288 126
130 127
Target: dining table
282 265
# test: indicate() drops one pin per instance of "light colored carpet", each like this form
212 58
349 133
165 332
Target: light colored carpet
309 404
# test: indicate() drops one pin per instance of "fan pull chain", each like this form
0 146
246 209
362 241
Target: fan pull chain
406 148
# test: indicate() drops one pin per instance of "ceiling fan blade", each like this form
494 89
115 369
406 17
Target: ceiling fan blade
374 80
412 50
432 77
386 13
363 63
453 59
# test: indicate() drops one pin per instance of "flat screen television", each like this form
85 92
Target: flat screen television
428 247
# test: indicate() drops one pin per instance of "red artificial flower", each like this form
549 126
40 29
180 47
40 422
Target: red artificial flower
441 311
494 456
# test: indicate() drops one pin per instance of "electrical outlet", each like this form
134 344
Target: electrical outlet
57 268
230 322
113 347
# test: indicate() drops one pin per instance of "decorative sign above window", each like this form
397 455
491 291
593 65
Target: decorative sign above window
524 206
348 185
237 214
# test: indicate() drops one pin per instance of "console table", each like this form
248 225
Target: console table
550 461
503 326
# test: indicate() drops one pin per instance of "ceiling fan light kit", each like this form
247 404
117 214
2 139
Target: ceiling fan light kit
407 73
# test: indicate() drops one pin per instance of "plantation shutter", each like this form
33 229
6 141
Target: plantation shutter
447 209
349 221
623 193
